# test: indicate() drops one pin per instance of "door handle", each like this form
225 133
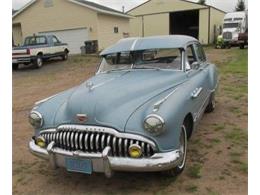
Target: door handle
196 92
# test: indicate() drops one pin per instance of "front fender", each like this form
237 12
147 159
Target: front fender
173 111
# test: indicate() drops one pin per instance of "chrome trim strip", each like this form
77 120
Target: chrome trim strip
68 138
76 140
91 141
158 104
103 141
125 147
71 140
114 145
80 141
200 111
86 141
108 140
120 146
60 138
64 138
148 149
97 142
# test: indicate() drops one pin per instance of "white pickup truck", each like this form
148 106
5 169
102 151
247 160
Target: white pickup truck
37 49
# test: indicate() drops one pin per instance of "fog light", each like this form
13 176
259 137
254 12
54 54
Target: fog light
135 151
40 141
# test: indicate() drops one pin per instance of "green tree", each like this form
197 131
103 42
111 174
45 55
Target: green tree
241 5
202 2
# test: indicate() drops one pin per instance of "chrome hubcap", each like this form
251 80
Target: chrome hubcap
183 147
39 62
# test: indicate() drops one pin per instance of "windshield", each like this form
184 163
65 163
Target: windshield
230 25
143 59
36 40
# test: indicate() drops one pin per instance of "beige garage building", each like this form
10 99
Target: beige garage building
164 17
72 21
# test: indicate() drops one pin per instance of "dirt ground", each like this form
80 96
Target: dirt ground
217 151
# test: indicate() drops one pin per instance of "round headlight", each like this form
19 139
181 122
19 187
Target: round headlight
154 124
36 120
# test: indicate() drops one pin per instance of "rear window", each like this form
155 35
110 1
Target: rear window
37 40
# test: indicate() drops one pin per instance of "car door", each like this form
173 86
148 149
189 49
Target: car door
57 45
197 78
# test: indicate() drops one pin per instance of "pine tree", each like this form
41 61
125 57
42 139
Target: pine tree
202 2
240 5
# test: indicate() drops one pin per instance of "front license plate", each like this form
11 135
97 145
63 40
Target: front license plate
15 61
78 165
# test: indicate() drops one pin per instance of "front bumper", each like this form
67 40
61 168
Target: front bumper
21 60
103 162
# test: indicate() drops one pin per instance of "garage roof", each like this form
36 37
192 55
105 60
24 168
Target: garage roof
91 5
152 42
187 1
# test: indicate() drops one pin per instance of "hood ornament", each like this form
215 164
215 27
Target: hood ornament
82 118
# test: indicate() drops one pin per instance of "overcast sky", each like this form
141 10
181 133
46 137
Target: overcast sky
226 5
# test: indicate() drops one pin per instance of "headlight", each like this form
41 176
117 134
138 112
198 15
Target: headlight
36 120
154 124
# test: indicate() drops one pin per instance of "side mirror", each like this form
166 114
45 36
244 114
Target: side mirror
195 65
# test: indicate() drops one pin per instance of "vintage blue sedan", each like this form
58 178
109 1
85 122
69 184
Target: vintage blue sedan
135 114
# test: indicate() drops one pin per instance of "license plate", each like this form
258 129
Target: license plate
15 61
79 165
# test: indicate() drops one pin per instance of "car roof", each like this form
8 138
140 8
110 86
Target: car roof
152 42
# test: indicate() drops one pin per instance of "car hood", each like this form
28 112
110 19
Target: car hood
109 99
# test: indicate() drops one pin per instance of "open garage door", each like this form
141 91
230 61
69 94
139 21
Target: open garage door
75 38
185 23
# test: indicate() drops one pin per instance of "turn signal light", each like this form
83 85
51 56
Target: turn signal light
40 141
135 151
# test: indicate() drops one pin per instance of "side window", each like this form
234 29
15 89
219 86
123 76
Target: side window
190 57
55 40
200 52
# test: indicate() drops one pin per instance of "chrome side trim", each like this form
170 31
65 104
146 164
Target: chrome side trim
158 104
196 92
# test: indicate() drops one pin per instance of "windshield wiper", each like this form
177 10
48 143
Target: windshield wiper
146 67
113 70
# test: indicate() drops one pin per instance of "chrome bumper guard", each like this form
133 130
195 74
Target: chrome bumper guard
103 162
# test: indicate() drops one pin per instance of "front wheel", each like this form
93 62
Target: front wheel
15 66
183 152
38 62
65 56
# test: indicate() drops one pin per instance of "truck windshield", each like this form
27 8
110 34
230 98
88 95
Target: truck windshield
230 25
143 59
35 40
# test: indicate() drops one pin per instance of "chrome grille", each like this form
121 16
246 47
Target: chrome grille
94 139
227 35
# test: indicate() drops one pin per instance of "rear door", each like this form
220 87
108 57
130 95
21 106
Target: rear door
197 80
